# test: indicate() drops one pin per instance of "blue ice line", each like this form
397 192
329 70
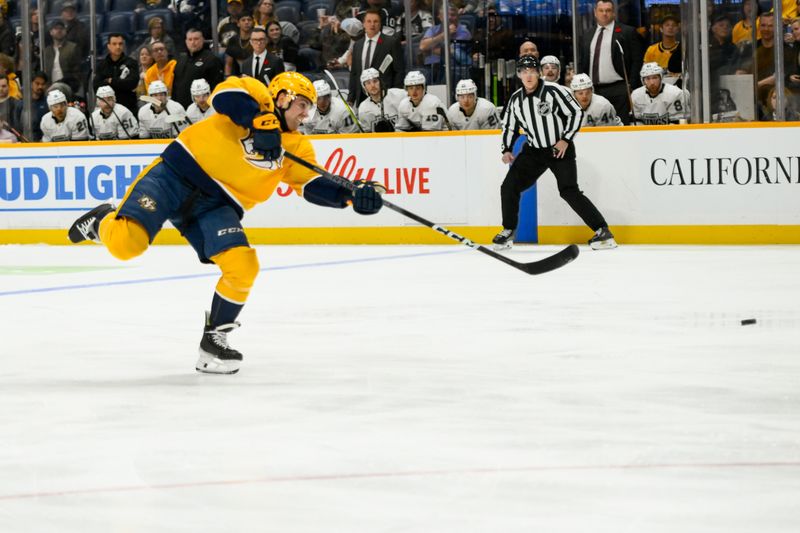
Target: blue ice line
216 274
9 158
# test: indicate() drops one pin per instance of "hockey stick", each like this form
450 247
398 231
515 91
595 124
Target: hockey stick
542 266
441 111
349 109
171 119
627 84
20 137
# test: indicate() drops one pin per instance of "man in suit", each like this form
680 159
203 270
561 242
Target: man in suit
371 51
607 64
261 64
62 59
198 62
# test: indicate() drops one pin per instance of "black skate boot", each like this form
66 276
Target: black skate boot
504 240
603 240
216 357
87 226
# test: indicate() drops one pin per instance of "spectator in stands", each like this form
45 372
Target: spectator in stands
8 43
765 59
605 61
7 69
742 31
118 71
432 44
790 113
198 62
389 16
62 59
10 108
239 47
264 13
157 33
528 48
421 20
38 102
36 54
371 51
163 69
145 62
331 40
501 39
722 54
346 9
793 73
76 31
261 64
662 51
227 26
283 47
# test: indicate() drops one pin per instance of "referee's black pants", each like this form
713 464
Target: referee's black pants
529 165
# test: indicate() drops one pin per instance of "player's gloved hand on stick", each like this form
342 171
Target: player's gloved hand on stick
367 197
267 136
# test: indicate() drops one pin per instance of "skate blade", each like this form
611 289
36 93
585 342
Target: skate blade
208 364
608 244
501 247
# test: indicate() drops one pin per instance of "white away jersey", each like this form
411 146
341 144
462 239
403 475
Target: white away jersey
484 117
600 113
156 126
194 114
74 127
114 126
668 106
369 112
336 120
424 117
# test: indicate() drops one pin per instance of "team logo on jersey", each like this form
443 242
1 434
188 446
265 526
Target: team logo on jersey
147 203
544 108
258 160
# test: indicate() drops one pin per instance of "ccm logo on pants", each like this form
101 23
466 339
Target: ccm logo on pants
227 231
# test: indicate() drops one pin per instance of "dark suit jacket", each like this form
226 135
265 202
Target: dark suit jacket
393 77
273 65
70 60
632 61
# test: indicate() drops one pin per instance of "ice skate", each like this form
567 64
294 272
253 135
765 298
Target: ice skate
216 357
86 228
603 240
504 240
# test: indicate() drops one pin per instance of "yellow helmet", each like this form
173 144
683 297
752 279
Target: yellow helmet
295 84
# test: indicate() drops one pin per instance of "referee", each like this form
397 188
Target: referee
550 117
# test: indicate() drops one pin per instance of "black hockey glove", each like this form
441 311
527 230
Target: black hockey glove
383 126
267 136
367 197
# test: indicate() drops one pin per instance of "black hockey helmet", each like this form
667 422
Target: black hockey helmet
527 62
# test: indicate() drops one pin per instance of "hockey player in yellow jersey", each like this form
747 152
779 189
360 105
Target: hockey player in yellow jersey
207 178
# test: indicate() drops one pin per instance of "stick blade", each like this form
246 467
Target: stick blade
548 264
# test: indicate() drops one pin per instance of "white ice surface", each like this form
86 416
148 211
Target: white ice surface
404 389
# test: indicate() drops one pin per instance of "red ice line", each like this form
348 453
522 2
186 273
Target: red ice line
374 475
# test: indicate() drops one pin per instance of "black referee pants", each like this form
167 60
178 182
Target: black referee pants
526 169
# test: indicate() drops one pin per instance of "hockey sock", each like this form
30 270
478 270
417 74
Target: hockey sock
124 237
223 311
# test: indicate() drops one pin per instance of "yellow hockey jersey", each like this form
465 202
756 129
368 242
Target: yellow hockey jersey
216 154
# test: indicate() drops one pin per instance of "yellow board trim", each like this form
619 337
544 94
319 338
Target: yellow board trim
750 234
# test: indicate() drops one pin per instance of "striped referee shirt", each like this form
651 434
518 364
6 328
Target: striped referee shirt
547 115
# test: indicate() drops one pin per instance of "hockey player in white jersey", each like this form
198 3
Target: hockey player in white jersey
551 68
162 120
419 111
331 116
200 107
656 102
112 120
378 112
63 123
597 110
472 112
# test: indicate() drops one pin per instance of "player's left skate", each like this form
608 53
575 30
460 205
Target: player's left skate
504 240
87 227
216 357
603 240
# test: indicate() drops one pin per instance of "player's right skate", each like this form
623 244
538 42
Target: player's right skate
87 226
504 240
216 357
603 240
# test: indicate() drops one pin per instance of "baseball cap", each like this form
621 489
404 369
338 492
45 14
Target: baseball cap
352 26
68 5
57 23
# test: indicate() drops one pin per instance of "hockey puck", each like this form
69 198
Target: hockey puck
748 321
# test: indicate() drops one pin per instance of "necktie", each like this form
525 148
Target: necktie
368 60
256 67
596 59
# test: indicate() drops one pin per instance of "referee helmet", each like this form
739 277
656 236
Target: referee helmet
526 62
